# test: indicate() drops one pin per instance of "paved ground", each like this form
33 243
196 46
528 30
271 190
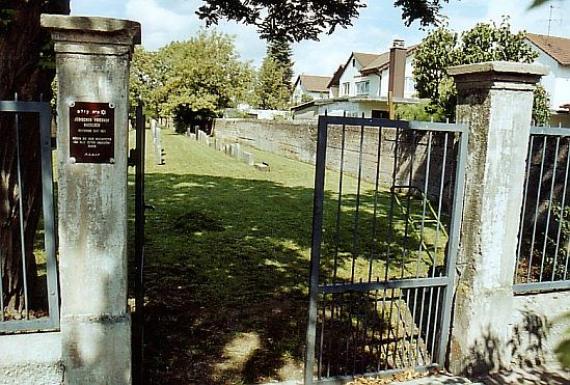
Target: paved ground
439 380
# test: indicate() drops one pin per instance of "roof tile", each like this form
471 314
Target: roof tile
556 47
315 83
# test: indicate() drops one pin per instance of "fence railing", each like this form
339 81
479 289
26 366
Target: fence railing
544 235
29 299
387 206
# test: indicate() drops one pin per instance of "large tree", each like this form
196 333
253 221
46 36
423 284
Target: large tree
484 42
204 75
279 50
26 69
297 20
271 90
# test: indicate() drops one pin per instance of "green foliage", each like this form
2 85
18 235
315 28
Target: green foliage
432 56
541 106
426 11
538 3
421 111
442 48
273 85
205 73
299 20
306 98
489 42
6 17
146 81
563 349
202 75
280 51
272 92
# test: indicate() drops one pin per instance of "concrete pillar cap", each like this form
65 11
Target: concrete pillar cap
497 75
499 67
97 25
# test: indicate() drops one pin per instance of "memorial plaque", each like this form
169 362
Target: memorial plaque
92 132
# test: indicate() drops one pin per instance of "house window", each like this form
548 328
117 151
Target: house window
363 88
410 86
354 62
346 88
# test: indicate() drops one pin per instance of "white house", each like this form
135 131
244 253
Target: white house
554 52
310 87
362 85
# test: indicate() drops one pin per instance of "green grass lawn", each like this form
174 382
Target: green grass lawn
227 254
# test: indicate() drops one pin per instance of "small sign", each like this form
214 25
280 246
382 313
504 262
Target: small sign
92 132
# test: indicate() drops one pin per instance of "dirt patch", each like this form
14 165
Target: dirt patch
197 221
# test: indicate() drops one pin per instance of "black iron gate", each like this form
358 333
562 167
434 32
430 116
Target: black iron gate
138 160
387 206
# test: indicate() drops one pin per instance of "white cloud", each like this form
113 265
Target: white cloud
159 24
535 20
166 20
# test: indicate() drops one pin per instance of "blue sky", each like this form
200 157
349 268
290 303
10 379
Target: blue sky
378 25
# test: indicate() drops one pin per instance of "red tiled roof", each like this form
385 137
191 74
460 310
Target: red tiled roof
314 83
556 47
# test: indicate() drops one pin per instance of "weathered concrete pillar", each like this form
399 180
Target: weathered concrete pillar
496 100
92 59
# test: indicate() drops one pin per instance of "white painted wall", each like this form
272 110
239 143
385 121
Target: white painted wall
409 85
349 74
297 94
352 76
385 83
557 82
300 90
378 83
31 359
561 93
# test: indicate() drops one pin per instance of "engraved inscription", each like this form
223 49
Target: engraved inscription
92 132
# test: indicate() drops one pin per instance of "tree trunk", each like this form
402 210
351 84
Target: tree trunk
26 68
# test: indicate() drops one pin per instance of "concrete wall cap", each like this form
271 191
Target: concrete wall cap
499 67
102 25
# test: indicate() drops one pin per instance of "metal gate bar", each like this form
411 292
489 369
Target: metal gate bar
138 321
359 303
543 250
51 322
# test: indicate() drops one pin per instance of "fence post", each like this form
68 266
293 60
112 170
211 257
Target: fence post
92 59
495 99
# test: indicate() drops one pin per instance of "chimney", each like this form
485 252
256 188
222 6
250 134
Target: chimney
397 69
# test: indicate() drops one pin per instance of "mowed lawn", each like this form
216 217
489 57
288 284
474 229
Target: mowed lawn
227 260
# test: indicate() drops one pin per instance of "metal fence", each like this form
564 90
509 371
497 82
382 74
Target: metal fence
388 201
38 303
544 235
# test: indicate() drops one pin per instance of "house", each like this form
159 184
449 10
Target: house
310 87
554 52
363 85
334 83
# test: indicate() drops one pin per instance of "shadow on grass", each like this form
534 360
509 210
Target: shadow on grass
227 295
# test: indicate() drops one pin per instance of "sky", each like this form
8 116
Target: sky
378 25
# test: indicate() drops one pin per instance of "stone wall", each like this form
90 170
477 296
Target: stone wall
298 140
31 359
539 321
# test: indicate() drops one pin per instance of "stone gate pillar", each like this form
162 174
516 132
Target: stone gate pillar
92 59
495 99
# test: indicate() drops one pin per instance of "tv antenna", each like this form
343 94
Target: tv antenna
551 19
